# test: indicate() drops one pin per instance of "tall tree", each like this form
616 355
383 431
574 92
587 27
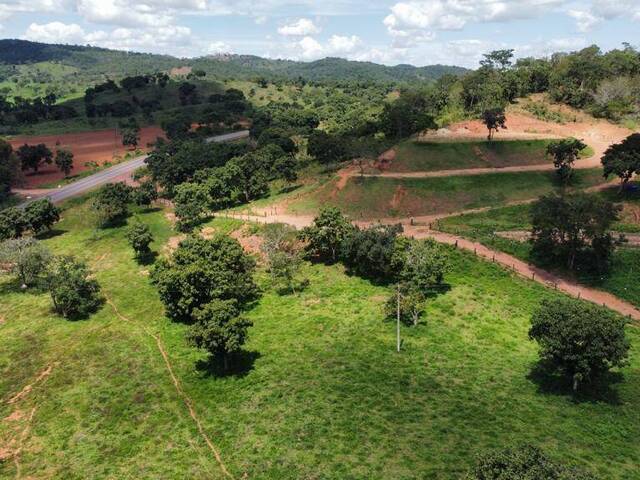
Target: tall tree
565 153
623 159
494 119
578 339
574 230
64 161
32 157
324 238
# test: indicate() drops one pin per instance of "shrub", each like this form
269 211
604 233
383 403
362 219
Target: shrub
525 462
324 238
219 329
191 202
13 223
41 215
26 258
112 203
372 252
73 292
139 237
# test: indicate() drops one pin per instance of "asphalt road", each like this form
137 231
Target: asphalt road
111 173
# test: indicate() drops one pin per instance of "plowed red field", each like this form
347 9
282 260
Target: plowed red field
98 146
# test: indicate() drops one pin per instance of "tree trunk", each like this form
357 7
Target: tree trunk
575 383
225 359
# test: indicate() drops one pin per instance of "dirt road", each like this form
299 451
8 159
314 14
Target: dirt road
518 266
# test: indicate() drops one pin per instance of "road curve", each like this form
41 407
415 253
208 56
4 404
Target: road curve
110 174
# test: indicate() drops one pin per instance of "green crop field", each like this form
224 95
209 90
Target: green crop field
379 197
622 280
322 393
413 156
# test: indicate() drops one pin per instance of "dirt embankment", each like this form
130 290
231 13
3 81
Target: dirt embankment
99 146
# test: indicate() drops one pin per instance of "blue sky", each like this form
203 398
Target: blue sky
420 32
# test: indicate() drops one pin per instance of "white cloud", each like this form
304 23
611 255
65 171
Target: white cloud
310 49
423 17
585 21
301 27
219 47
55 32
347 44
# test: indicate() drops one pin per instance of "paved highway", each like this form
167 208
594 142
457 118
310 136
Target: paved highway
112 173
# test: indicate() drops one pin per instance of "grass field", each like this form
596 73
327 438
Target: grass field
412 156
622 279
379 197
322 394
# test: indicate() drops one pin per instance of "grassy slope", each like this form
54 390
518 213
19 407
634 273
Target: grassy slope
412 156
622 280
327 397
377 197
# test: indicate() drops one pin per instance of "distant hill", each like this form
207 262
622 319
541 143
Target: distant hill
93 61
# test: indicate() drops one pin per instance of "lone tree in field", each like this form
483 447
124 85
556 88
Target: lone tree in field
41 215
324 238
374 252
130 133
73 292
494 119
574 230
64 161
191 202
579 340
623 159
139 237
219 329
26 258
13 223
524 462
203 270
112 203
565 153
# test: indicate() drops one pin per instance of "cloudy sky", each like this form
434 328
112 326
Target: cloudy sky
420 32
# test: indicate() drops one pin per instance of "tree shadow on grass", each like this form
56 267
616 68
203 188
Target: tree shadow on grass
147 258
240 364
54 232
290 188
600 390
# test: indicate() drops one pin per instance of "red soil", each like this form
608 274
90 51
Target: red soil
98 146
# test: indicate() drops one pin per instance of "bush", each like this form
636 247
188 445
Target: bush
139 237
191 202
13 223
283 255
324 238
579 340
41 215
73 292
219 329
372 253
523 463
112 203
202 270
145 194
26 258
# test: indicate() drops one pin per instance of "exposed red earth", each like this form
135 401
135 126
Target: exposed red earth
98 146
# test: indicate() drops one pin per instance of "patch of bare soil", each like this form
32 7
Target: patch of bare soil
27 388
171 217
2 320
173 243
208 233
398 196
250 243
180 71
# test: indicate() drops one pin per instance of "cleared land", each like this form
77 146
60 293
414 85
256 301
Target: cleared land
100 146
322 393
380 197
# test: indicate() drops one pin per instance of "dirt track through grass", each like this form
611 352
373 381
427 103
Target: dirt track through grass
178 386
